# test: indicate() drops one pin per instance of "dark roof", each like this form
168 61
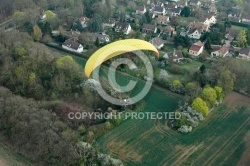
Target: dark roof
71 43
111 21
244 51
193 30
149 27
175 55
157 41
176 10
140 8
209 15
121 26
202 19
159 9
158 3
171 6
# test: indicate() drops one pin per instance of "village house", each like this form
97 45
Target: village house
176 11
171 6
175 56
198 25
109 23
182 3
194 33
244 53
141 10
158 4
213 8
219 51
42 14
169 29
234 13
245 18
72 45
194 3
157 42
158 10
101 37
208 19
84 21
71 34
196 49
162 20
206 5
123 27
193 9
149 28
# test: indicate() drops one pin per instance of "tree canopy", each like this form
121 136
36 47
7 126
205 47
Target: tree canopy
200 106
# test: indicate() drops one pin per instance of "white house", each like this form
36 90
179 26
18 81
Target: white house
123 27
208 19
72 45
194 33
84 21
176 11
141 10
219 51
175 56
244 53
157 42
196 48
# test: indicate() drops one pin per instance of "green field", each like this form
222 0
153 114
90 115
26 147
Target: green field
218 141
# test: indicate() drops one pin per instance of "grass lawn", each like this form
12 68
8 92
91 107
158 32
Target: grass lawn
168 48
194 65
237 27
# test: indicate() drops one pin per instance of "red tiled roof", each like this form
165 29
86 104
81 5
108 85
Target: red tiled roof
195 48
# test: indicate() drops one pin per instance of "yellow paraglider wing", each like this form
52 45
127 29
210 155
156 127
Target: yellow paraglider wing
114 49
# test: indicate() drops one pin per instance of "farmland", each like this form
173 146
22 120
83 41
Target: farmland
220 140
